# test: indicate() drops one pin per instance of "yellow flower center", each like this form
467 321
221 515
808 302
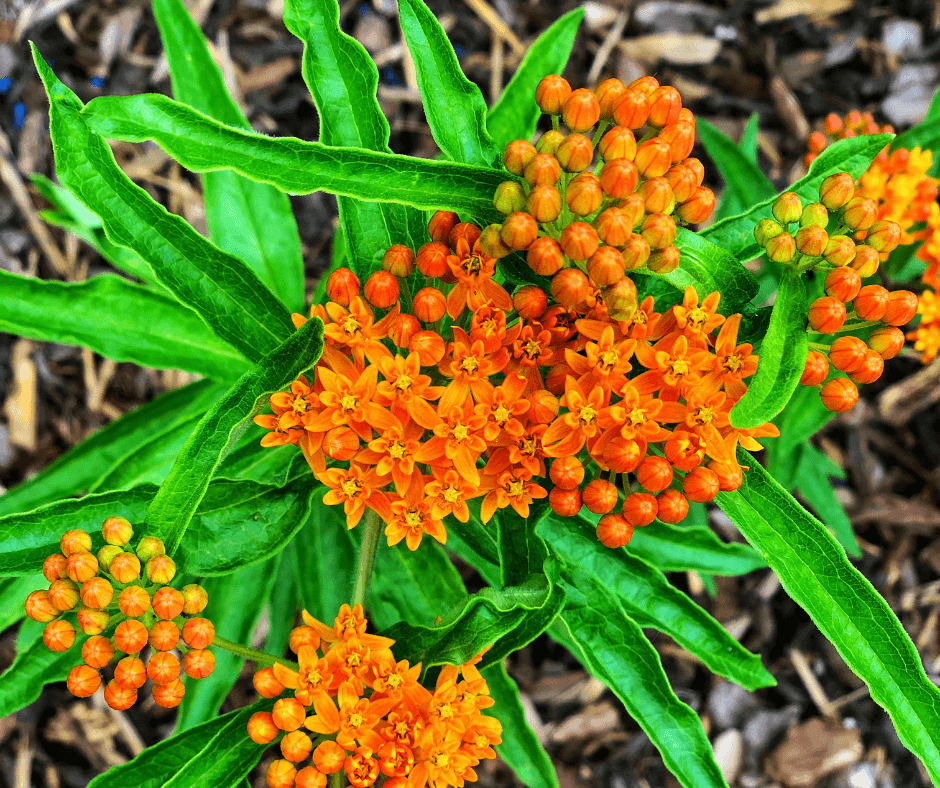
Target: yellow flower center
355 719
703 415
299 405
469 364
732 363
440 759
531 349
351 325
501 414
404 383
636 416
472 265
394 681
696 318
587 414
460 432
608 359
397 450
351 487
450 493
515 488
349 402
414 518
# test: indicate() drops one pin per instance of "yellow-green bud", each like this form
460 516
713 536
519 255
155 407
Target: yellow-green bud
839 251
106 553
781 248
814 214
160 569
811 240
766 229
509 197
836 190
195 599
787 208
149 547
117 531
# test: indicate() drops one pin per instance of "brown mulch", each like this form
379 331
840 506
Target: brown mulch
790 61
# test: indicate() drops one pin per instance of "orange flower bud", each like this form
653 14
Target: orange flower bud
399 260
614 530
74 541
605 266
579 241
545 256
613 226
583 195
118 696
195 599
621 299
125 568
288 714
169 696
634 208
133 601
617 143
866 261
787 208
96 592
261 728
543 407
548 143
164 635
814 214
811 240
130 672
429 347
198 633
509 197
381 289
581 110
530 302
657 195
681 180
198 663
826 315
871 303
619 178
886 341
429 305
640 509
673 506
622 455
266 684
884 236
551 94
847 354
608 94
680 137
544 203
167 603
130 636
519 231
442 222
303 636
665 104
97 651
342 286
53 568
815 369
117 531
58 635
659 231
730 477
81 567
684 450
566 473
663 261
161 569
570 287
329 757
63 594
870 370
839 251
403 328
766 230
838 395
83 681
700 484
836 190
467 231
92 622
163 668
698 207
843 284
902 306
654 474
148 547
632 110
832 124
296 746
516 155
106 554
781 248
492 244
636 252
432 259
860 213
281 774
697 167
599 496
653 158
542 170
575 153
565 503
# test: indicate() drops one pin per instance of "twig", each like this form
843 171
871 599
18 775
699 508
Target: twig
607 46
485 11
813 687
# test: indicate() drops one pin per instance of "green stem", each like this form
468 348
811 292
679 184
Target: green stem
372 527
249 653
336 779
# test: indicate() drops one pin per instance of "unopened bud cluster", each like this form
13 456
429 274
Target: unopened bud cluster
352 707
120 598
854 124
587 224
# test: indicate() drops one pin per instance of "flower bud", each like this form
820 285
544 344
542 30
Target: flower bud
429 346
781 248
542 170
163 668
63 594
381 289
53 568
653 158
700 484
169 696
697 167
843 284
106 553
884 236
148 547
548 143
766 230
860 213
96 592
871 303
657 195
579 241
342 286
341 444
902 306
581 110
544 203
575 153
198 663
886 341
125 568
288 714
161 569
429 305
443 222
617 143
654 474
665 104
329 757
509 197
545 256
283 774
599 496
583 195
133 601
681 180
519 231
847 354
613 226
680 137
839 251
117 531
570 287
130 636
814 214
870 370
621 299
167 603
730 477
632 110
634 208
608 94
97 651
787 208
684 450
673 506
659 231
130 672
261 728
530 302
605 266
698 207
164 635
866 261
466 231
266 683
92 622
198 633
81 567
303 636
566 473
565 503
640 509
399 260
826 315
58 635
614 530
663 261
551 94
74 541
195 599
815 369
622 455
838 395
118 696
83 681
296 746
516 155
432 259
836 190
491 243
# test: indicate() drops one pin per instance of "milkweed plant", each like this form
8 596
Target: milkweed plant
524 354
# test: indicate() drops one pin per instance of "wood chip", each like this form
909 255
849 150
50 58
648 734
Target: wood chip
814 9
897 511
812 685
595 719
38 11
683 49
811 751
20 406
899 402
268 74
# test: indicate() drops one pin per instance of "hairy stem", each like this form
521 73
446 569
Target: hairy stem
249 653
372 527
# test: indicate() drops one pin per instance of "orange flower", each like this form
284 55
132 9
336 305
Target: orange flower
512 488
353 721
474 273
732 362
568 433
695 321
407 392
471 367
501 406
448 493
355 488
314 675
458 439
350 402
393 453
355 328
412 517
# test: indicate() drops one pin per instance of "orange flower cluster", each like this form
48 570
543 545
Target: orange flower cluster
854 124
369 714
585 228
109 590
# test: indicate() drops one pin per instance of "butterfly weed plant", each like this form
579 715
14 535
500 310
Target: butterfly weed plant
524 353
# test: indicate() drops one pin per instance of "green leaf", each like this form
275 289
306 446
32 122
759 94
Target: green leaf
283 601
515 114
340 74
215 754
162 424
252 221
745 184
649 599
613 648
748 143
249 586
802 418
736 234
925 135
175 503
203 145
221 289
522 550
520 748
782 357
813 471
162 332
453 105
13 593
265 464
815 572
325 556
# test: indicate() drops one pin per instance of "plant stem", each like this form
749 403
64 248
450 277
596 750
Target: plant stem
372 526
249 653
336 779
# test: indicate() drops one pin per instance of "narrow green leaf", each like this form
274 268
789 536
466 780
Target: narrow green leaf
13 593
520 748
649 599
162 332
782 357
203 145
745 184
736 233
815 572
173 506
249 586
453 105
265 464
813 471
522 550
748 143
252 221
515 114
802 418
221 289
925 135
324 556
283 602
612 646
